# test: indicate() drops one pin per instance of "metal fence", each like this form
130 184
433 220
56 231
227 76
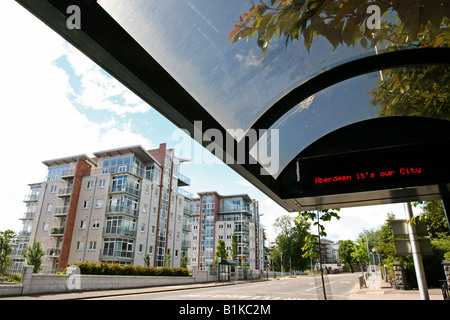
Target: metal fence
11 275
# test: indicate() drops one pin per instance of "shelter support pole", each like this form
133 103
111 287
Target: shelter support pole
417 256
446 206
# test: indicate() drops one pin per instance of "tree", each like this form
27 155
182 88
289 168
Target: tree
312 244
167 260
221 251
34 254
346 250
360 253
234 247
290 240
184 261
146 260
5 248
346 22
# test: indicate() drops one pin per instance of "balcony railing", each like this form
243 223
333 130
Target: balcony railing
57 231
31 197
185 193
28 215
234 209
123 168
65 192
122 209
186 227
53 252
124 188
108 253
61 211
241 228
24 233
183 180
186 243
114 230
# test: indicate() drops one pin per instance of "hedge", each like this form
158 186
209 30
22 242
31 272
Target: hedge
128 270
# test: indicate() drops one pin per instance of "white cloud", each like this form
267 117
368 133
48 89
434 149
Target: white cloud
245 183
100 91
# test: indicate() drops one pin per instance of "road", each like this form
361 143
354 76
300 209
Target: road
298 288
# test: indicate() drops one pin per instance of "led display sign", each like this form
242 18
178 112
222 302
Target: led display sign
375 169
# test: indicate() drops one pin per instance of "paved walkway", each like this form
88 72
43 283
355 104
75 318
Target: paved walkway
378 289
105 293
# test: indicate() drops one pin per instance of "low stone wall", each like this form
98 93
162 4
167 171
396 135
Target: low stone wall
72 282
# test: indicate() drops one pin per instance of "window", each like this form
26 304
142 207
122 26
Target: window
96 224
140 248
102 183
150 250
45 227
53 189
83 224
87 204
92 245
220 237
80 245
142 227
99 203
153 229
154 211
90 184
50 207
145 208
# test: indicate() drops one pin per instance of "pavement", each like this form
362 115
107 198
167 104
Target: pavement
379 289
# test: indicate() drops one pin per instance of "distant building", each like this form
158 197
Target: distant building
329 250
215 217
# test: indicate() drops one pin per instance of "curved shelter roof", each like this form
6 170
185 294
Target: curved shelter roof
287 85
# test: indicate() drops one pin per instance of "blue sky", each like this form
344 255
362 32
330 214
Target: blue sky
56 103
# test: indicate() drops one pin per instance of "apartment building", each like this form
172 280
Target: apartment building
214 217
114 207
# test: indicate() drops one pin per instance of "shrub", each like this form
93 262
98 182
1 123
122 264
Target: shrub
129 270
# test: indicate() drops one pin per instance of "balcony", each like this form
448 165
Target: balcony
119 230
234 209
108 253
124 188
241 228
122 209
183 181
53 252
31 197
68 174
28 216
186 227
57 231
185 193
24 234
61 211
65 192
185 243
